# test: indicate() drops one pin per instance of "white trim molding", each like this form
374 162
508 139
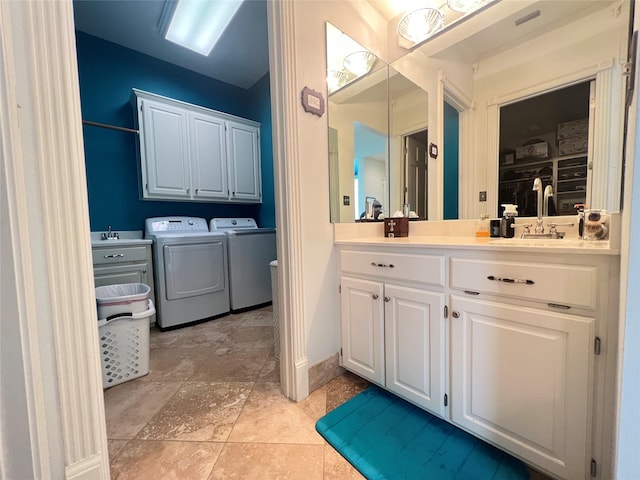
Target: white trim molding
294 365
46 186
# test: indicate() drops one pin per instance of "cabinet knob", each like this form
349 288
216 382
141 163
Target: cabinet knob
196 191
455 314
374 296
387 299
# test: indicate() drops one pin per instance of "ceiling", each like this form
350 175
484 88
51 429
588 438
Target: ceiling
240 58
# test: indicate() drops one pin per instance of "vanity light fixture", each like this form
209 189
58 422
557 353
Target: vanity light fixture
336 79
465 6
420 24
199 24
360 63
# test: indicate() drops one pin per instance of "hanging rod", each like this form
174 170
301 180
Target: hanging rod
112 127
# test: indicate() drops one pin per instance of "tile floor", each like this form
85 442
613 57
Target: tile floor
211 408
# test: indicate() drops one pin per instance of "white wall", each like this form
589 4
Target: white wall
363 24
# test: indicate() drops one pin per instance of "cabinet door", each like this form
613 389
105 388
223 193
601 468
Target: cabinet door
414 345
521 378
244 163
164 150
362 316
120 274
208 156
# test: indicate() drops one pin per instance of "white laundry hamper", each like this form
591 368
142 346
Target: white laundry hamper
123 325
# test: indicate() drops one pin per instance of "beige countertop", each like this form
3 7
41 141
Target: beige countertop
504 244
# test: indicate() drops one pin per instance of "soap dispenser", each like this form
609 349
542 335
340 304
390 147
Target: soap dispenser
508 219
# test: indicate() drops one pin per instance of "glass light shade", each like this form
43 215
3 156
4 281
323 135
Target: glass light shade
465 6
420 24
336 79
360 63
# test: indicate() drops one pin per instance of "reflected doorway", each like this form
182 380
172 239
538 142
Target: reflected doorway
416 177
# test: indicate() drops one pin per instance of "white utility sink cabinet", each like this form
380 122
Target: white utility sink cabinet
528 367
192 153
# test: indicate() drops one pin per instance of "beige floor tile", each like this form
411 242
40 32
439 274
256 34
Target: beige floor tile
165 460
336 467
315 405
260 317
115 446
251 337
244 461
199 411
130 405
168 339
232 365
176 364
270 371
269 417
343 388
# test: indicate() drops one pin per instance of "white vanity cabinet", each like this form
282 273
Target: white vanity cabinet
524 357
392 309
523 344
193 153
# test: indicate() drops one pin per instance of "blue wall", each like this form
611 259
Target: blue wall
451 153
107 73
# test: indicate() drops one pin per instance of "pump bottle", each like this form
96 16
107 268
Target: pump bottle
508 219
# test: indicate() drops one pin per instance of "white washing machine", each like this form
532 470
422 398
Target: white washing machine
250 251
190 269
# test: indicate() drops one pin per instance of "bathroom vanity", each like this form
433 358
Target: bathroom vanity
512 340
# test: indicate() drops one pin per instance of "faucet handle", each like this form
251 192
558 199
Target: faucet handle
553 226
525 227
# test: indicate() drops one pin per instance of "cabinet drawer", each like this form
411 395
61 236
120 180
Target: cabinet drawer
388 266
102 256
570 285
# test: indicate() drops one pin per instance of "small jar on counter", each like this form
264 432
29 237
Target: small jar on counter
483 226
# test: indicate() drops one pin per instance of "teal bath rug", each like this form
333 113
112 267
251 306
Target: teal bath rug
385 437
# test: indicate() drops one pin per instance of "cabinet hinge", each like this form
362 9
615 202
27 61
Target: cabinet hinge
446 400
146 187
341 352
594 467
597 345
446 311
339 288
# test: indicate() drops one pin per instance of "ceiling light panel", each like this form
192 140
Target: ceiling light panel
199 24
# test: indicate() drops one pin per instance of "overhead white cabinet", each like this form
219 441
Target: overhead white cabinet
192 153
244 161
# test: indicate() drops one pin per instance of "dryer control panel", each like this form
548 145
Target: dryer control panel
176 224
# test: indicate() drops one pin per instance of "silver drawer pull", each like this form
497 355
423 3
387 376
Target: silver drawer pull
510 280
117 255
383 265
558 305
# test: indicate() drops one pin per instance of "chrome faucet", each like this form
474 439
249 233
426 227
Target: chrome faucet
537 187
548 193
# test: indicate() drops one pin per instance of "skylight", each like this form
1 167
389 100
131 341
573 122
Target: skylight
199 24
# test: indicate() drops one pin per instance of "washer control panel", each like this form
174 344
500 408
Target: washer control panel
176 224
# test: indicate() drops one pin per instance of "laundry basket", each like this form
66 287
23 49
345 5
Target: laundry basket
124 331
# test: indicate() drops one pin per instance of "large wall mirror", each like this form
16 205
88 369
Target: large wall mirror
377 135
510 118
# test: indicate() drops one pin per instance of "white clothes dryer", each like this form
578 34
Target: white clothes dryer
190 270
250 250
